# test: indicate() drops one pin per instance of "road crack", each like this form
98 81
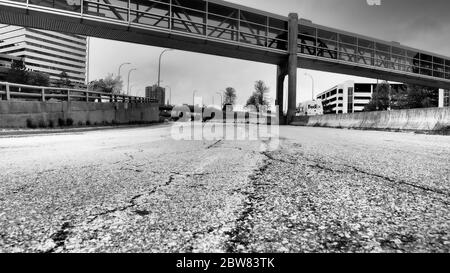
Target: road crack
214 144
60 237
424 188
239 237
383 177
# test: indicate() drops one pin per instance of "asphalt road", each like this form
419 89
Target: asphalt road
139 190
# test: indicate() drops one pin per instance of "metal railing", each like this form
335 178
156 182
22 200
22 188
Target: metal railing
12 91
237 25
201 18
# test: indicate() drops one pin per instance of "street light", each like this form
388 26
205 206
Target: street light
312 79
120 68
193 97
221 98
159 66
170 96
129 74
133 87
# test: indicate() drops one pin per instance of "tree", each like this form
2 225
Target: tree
381 100
63 81
17 73
109 84
422 97
259 97
230 96
38 79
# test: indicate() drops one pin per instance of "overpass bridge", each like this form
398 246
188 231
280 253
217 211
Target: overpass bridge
224 29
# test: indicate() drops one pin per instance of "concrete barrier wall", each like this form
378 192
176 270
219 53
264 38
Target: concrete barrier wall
429 119
14 114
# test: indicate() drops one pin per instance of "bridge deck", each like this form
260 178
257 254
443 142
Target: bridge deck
225 29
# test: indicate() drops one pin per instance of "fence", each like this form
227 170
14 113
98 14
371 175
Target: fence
12 91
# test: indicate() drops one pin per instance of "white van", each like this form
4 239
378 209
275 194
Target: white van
310 108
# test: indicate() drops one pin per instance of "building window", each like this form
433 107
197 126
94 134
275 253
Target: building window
350 100
446 98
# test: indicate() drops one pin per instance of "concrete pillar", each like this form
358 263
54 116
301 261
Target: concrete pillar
441 98
281 75
292 66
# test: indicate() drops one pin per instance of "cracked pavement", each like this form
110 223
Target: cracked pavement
138 190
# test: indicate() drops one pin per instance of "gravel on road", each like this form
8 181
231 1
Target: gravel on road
138 190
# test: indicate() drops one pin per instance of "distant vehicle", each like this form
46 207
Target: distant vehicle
310 108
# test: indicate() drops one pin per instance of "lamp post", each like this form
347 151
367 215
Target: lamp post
312 79
159 66
120 68
128 82
170 94
193 97
221 99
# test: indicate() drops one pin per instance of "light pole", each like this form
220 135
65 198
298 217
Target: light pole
193 97
221 99
128 82
170 92
312 79
120 68
159 66
134 87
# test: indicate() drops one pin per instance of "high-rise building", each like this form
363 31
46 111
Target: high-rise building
156 93
46 51
350 97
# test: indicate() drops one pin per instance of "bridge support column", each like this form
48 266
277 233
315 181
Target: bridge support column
281 75
292 66
289 68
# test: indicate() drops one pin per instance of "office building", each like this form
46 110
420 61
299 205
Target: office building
157 94
350 97
444 98
46 51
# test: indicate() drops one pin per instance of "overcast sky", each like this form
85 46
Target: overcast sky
423 24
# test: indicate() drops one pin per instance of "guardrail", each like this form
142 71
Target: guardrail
12 91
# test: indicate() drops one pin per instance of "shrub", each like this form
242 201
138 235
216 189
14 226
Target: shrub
51 124
42 124
61 122
31 124
88 123
80 123
69 122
